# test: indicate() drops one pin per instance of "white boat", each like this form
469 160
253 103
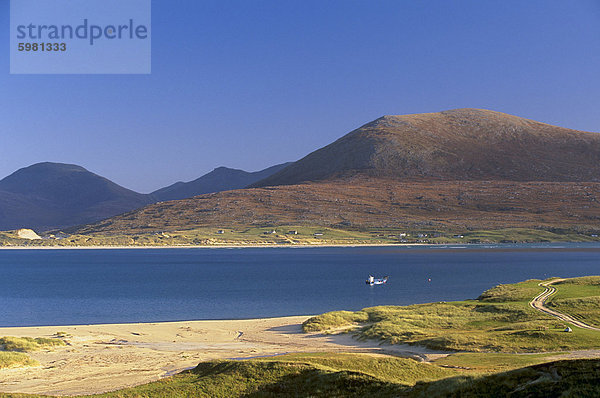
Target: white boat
373 281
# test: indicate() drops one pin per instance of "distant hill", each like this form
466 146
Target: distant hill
54 195
461 144
48 195
220 179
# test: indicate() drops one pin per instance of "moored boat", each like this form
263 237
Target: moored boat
371 280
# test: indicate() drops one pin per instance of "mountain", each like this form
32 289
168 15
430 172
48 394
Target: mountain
461 144
54 195
220 179
454 170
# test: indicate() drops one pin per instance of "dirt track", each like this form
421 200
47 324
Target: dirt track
539 302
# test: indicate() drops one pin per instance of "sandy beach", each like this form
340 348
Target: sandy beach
100 358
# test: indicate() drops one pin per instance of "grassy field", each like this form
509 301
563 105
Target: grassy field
500 320
296 235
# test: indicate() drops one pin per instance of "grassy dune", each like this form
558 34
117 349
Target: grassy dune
13 349
15 359
25 344
499 320
331 375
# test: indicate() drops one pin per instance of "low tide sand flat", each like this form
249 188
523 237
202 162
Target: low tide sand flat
100 358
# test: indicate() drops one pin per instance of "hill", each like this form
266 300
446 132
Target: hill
458 170
53 195
220 179
461 144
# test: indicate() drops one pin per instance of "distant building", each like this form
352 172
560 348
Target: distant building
318 234
220 231
292 232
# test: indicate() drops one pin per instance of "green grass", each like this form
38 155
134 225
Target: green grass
488 362
15 359
521 235
500 320
26 344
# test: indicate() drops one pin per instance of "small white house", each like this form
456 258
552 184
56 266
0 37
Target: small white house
568 330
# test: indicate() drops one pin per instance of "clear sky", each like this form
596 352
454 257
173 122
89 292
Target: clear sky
248 84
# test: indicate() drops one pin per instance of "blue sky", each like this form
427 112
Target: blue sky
248 84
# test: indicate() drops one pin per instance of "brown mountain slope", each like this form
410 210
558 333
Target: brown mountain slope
376 203
461 144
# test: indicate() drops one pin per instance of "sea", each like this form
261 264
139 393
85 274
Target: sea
95 286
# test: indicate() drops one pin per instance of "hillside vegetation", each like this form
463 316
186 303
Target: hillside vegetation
362 205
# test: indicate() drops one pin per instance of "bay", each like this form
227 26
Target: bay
69 287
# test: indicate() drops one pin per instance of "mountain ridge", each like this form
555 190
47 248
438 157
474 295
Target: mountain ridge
49 195
219 179
459 144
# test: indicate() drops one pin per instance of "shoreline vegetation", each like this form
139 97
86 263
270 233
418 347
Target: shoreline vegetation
289 236
494 345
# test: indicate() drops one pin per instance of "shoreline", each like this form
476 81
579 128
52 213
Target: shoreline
108 357
286 246
266 246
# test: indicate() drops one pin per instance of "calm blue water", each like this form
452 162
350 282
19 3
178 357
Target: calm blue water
60 287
